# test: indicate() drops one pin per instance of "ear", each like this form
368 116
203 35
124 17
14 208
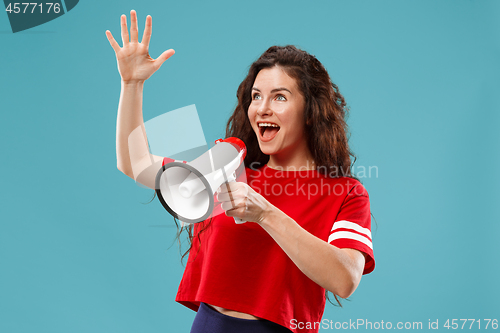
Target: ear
308 117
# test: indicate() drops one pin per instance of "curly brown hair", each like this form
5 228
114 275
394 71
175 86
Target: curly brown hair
324 115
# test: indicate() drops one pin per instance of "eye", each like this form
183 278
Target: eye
256 96
280 98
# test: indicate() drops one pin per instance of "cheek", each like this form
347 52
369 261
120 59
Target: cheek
252 113
296 127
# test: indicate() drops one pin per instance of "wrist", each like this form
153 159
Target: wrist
132 83
270 216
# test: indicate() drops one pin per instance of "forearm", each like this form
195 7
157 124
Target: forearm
130 120
330 267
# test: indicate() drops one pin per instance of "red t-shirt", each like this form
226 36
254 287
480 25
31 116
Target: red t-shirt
241 268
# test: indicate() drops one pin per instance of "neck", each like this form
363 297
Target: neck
291 163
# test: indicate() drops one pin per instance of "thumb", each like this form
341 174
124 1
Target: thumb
164 56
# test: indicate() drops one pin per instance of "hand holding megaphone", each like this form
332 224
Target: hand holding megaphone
242 202
230 179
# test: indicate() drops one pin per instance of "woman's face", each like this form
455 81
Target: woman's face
276 114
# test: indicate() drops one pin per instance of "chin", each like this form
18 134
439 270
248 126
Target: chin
267 150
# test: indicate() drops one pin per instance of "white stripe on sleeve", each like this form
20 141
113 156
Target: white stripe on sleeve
352 226
345 234
350 235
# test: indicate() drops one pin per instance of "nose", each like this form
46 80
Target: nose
264 109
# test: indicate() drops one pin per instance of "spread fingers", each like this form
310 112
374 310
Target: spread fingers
133 27
123 23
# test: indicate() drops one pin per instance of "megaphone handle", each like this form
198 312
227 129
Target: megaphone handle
232 178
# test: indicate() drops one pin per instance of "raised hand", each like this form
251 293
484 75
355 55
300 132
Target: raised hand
134 62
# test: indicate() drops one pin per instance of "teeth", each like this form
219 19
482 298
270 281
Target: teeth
267 124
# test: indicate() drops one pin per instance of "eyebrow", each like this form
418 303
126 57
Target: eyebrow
274 90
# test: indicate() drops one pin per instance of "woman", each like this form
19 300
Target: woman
308 219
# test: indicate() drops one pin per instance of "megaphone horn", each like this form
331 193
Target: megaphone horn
186 190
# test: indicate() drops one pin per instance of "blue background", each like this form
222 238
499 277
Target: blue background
81 252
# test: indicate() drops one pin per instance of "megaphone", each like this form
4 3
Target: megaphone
186 190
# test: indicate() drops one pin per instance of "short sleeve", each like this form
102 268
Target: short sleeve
352 227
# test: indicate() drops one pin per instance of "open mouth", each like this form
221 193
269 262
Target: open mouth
268 131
